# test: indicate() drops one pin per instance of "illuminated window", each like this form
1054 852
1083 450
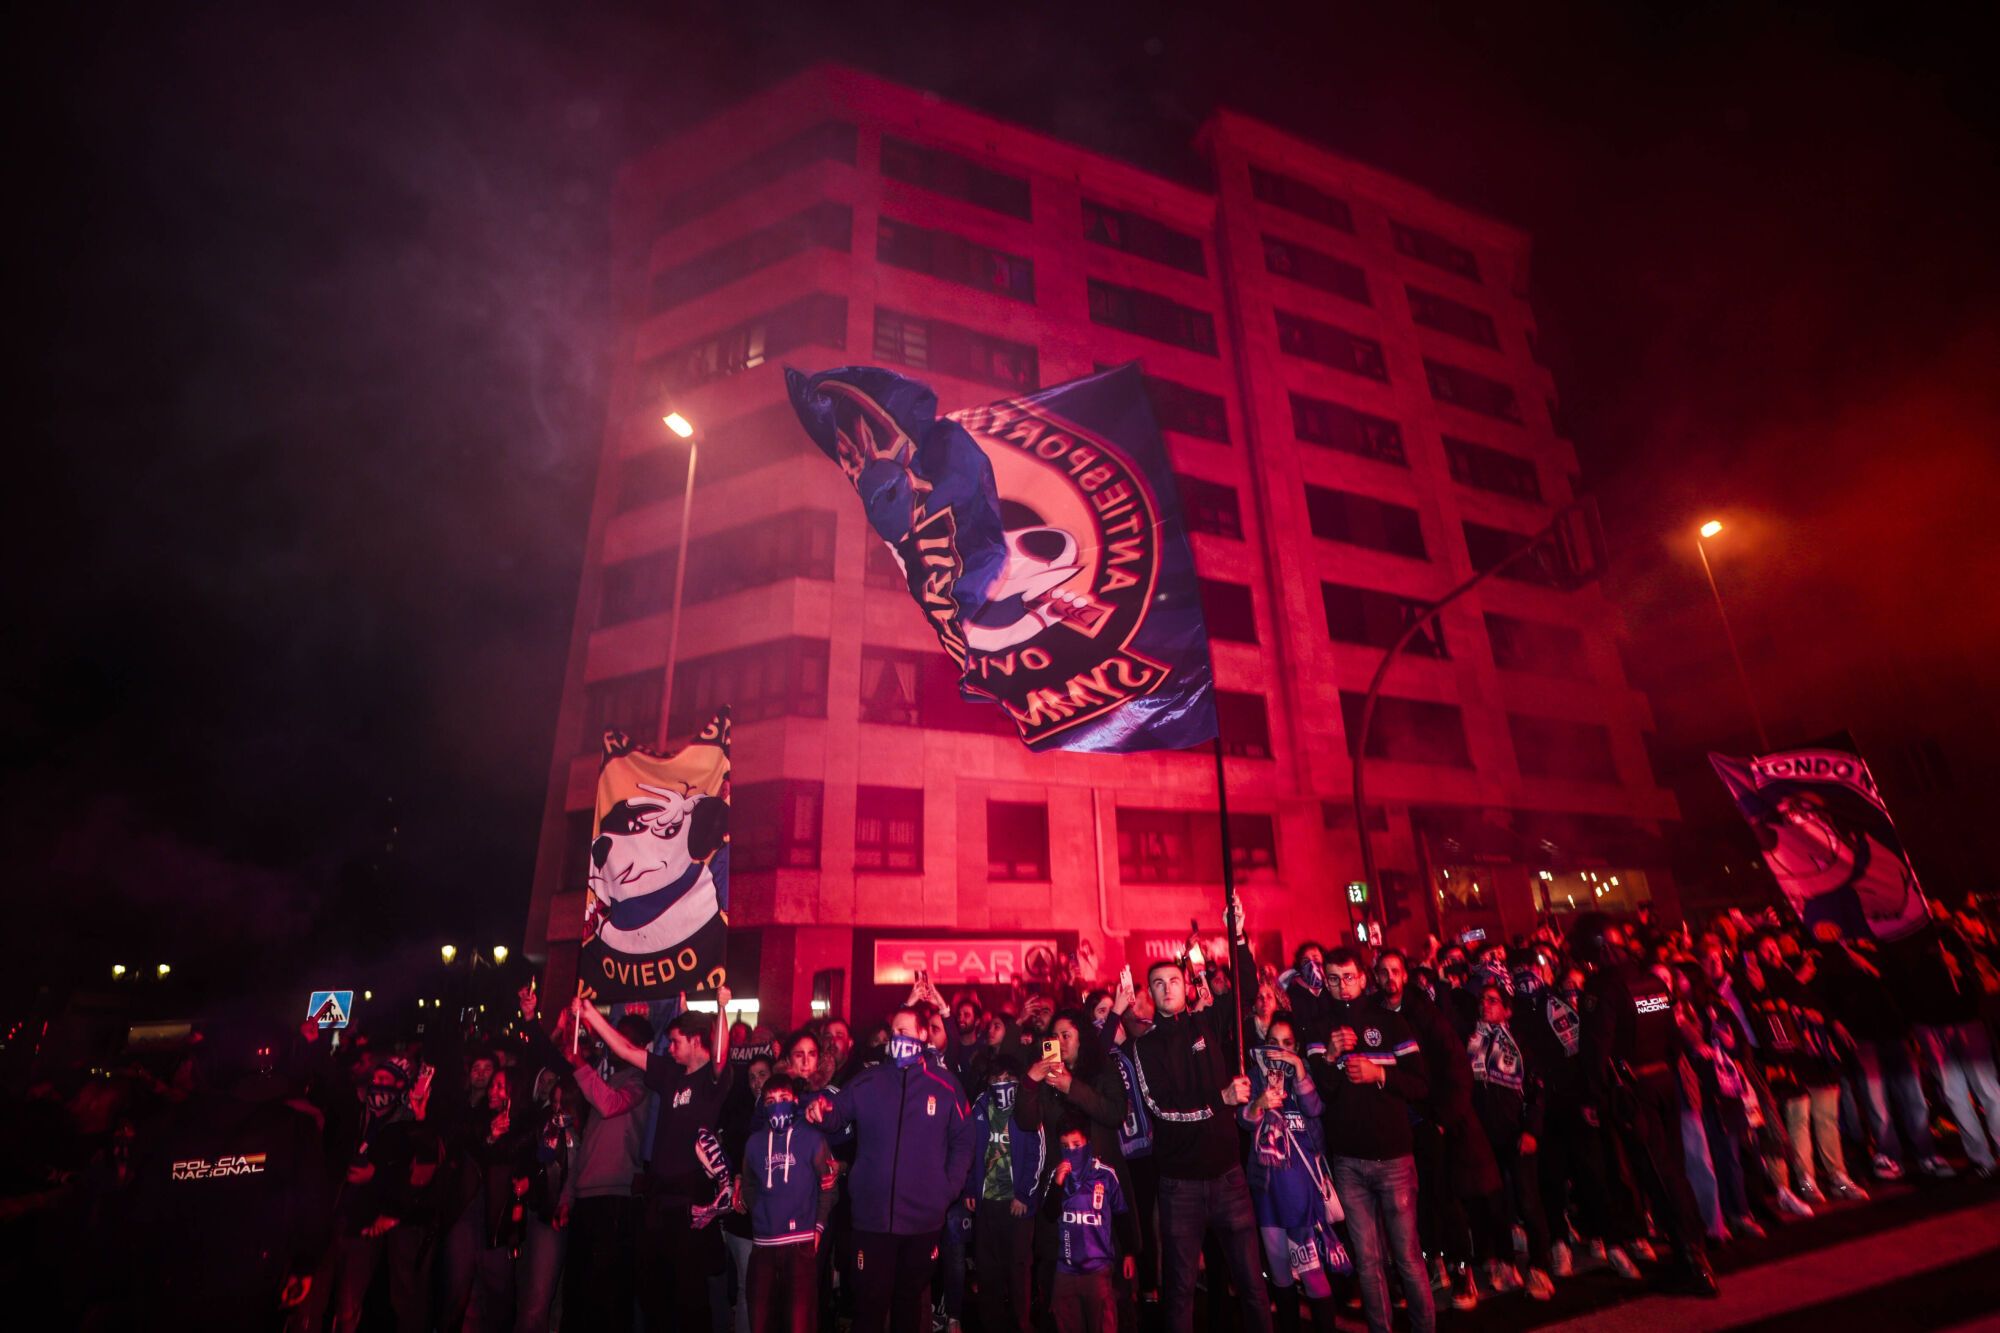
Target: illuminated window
1209 506
1137 234
947 173
1448 316
1472 391
1151 315
1316 270
1368 616
949 256
1017 841
1435 250
1338 426
1295 196
1331 346
889 829
1362 520
813 320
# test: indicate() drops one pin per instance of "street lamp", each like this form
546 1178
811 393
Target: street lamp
682 427
499 953
164 969
118 969
1708 530
449 952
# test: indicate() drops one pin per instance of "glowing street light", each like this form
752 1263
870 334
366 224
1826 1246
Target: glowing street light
449 952
164 969
499 953
1709 529
368 995
683 428
118 969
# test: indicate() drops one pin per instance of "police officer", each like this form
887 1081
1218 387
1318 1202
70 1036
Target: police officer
1631 1056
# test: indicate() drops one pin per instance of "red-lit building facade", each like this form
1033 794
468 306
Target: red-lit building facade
1343 366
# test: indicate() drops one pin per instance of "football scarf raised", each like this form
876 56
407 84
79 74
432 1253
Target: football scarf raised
657 911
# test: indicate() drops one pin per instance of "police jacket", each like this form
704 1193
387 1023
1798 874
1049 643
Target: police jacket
1630 1034
915 1142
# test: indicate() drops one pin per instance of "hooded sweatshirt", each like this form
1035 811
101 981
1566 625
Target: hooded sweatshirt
784 1161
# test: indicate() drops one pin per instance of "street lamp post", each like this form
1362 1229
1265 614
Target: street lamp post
680 426
1709 529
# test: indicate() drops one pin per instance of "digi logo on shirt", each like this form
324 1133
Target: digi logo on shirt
1083 1219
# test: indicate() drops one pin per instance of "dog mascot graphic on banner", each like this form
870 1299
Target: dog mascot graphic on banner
657 913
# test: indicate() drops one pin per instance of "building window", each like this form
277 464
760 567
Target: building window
1168 846
1361 520
823 226
1472 391
775 825
782 678
830 142
1493 470
945 173
889 686
1227 610
1340 815
793 545
817 320
889 829
579 830
1448 316
634 588
648 478
1017 841
1487 547
1151 315
1410 731
904 688
1338 426
630 704
1547 747
1536 648
1295 196
1139 235
947 255
1253 842
1435 250
1209 506
1315 270
1365 615
881 569
1189 411
1244 723
952 349
1331 346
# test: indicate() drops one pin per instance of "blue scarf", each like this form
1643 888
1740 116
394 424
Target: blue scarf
1495 1057
905 1051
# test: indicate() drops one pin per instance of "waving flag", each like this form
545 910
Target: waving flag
656 915
1042 538
1827 839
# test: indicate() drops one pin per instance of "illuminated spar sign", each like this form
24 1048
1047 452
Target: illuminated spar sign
330 1008
962 962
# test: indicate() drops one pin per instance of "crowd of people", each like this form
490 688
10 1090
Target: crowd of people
1277 1139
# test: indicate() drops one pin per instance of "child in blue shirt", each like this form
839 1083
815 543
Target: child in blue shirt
786 1166
1096 1233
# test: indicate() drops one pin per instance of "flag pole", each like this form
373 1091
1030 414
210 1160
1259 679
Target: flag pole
1230 908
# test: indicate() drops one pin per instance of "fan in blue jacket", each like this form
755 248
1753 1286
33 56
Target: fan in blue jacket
1291 1185
1004 1186
786 1164
914 1144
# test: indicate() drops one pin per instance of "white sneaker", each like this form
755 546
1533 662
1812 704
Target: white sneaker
1789 1202
1560 1263
1621 1263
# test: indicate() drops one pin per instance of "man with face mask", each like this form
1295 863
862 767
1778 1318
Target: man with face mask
1305 992
1006 1181
1570 1155
915 1144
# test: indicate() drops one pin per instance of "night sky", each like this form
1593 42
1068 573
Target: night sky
315 316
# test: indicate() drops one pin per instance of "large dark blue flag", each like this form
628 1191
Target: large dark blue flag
1042 536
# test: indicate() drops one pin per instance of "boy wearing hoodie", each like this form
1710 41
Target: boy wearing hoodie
1006 1181
785 1165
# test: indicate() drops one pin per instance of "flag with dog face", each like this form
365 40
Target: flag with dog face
656 917
1042 537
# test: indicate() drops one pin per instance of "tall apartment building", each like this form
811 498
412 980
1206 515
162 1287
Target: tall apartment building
1343 366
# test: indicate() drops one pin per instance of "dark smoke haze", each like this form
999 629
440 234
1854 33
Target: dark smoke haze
315 366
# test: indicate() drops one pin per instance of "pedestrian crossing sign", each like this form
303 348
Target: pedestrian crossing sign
330 1008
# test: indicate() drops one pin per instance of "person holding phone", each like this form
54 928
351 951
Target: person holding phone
1006 1183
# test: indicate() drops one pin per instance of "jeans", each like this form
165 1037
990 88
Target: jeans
536 1275
1084 1303
1893 1101
1190 1210
1961 1057
781 1288
1381 1203
1726 1155
1701 1172
738 1248
1814 1119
